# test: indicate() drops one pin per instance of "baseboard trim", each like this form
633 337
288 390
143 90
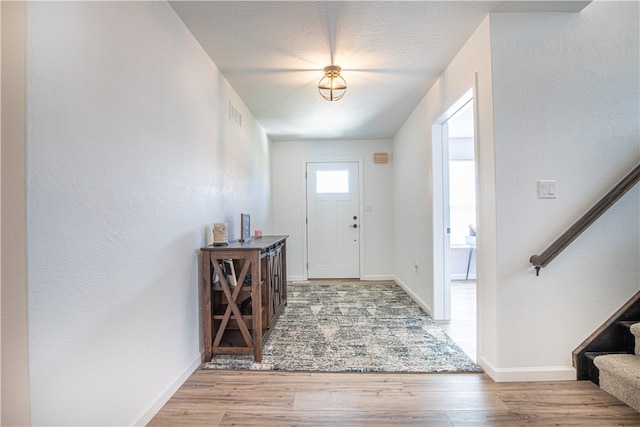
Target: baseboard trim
539 373
371 277
380 277
164 397
414 297
462 276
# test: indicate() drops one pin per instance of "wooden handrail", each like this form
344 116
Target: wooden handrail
561 243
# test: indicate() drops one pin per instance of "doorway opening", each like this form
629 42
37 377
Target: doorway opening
454 153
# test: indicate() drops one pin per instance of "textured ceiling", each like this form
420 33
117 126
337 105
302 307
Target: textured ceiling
391 52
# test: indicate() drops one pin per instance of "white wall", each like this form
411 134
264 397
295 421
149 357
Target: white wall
289 200
564 91
415 174
130 159
566 97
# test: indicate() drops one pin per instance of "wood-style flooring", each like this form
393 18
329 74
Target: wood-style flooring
462 325
267 398
259 398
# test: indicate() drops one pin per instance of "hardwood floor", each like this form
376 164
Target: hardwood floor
268 398
462 326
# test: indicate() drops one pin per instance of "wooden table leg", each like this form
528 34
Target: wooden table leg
205 296
469 262
256 301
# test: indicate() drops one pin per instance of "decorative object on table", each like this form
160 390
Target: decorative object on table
229 272
472 230
220 236
258 234
245 227
353 328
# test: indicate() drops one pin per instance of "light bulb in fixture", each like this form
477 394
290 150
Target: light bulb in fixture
332 86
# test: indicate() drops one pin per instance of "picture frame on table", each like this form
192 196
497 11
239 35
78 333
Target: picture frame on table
245 227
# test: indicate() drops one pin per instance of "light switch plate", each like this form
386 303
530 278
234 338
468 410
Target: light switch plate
547 189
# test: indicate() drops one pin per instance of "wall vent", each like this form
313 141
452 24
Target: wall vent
380 157
234 115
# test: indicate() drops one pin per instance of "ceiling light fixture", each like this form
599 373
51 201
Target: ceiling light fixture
332 87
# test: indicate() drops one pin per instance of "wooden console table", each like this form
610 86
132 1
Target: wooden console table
244 291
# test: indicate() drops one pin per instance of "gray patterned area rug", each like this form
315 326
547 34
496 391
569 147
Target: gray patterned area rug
353 328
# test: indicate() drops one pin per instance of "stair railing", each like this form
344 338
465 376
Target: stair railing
609 199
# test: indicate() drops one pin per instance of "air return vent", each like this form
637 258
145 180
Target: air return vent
234 115
380 157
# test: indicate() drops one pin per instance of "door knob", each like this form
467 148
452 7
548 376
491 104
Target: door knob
355 217
355 225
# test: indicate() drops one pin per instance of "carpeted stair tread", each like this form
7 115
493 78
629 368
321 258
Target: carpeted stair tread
623 364
628 323
635 330
593 354
620 377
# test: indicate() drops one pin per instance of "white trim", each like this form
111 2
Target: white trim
441 254
164 397
374 277
305 253
296 278
414 297
462 276
362 239
440 168
538 373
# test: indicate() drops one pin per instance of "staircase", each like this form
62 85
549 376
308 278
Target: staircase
620 373
610 357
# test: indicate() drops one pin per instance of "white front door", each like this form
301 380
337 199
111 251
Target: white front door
333 221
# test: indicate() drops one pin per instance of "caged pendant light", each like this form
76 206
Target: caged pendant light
332 86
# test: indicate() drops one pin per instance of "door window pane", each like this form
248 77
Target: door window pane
332 182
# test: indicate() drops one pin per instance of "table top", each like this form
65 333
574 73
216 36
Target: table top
254 243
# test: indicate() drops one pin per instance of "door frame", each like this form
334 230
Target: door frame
441 246
363 225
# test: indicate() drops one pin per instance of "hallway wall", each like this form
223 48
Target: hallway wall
416 171
558 99
566 106
289 200
130 159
